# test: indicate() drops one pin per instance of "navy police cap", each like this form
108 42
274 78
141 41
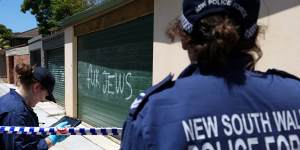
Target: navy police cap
246 12
45 78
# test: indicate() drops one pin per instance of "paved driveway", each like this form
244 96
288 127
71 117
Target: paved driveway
49 113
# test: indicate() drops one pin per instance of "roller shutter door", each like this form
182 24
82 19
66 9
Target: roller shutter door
2 66
55 64
35 57
114 66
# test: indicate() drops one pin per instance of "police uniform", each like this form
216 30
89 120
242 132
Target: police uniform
14 112
202 112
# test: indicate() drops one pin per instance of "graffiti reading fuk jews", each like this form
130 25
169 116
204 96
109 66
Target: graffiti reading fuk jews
110 83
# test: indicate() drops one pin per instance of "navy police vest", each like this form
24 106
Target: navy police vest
198 112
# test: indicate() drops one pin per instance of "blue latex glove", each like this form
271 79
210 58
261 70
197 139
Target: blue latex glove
58 138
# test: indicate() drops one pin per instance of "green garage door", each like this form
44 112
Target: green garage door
35 57
114 66
55 64
2 66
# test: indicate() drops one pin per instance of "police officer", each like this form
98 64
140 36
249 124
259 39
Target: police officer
219 102
34 85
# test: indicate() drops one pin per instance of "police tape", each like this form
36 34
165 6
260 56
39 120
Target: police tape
59 131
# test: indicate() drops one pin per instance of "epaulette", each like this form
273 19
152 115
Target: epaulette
282 74
142 99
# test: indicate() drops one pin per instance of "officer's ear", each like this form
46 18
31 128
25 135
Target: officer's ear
36 87
185 42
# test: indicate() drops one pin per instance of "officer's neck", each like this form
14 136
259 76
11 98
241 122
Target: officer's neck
23 93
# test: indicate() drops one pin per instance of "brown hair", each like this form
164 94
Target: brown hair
216 46
25 75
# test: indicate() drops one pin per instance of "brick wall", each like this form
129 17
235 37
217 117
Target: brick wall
19 60
10 68
11 62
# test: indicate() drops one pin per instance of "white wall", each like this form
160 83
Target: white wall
70 72
167 57
280 43
18 51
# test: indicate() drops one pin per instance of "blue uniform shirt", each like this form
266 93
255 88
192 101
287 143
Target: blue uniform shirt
14 112
202 112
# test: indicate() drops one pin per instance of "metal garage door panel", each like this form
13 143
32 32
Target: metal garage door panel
35 57
2 66
114 66
55 64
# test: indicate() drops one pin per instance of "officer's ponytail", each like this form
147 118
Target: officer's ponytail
216 45
24 75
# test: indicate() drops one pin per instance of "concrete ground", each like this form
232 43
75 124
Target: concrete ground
49 113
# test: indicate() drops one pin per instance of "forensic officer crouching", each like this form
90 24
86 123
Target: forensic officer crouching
34 85
219 102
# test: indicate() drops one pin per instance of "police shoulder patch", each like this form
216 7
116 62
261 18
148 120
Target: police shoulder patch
137 100
142 98
282 74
